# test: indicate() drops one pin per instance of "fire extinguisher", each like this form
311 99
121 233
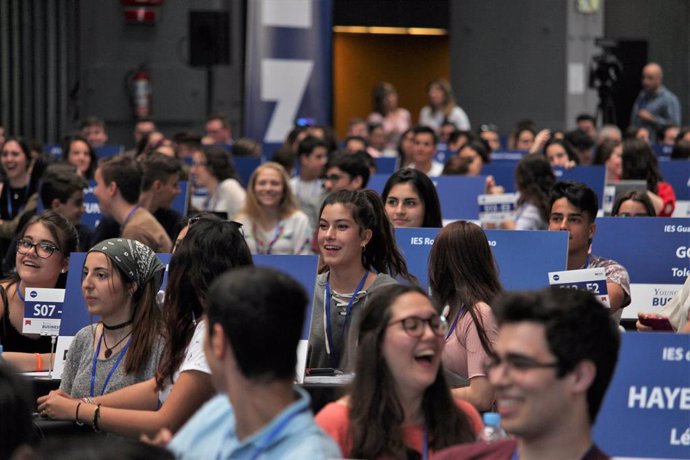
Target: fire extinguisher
139 83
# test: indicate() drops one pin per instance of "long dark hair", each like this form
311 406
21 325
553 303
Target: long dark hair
67 144
462 272
424 188
639 162
381 254
376 414
534 179
210 248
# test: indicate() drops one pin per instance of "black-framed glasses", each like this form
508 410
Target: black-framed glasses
414 325
517 363
44 249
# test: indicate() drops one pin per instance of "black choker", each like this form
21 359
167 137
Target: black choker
117 326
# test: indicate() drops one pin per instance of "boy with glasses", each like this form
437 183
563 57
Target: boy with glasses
554 359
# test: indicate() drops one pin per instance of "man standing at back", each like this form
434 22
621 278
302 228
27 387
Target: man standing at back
118 185
655 106
554 358
254 322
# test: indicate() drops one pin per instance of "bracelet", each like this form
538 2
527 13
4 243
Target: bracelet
96 414
39 362
76 415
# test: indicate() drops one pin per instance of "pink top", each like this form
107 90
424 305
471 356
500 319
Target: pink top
334 420
464 353
394 124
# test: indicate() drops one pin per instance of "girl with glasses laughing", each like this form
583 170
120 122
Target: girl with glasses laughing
42 259
399 405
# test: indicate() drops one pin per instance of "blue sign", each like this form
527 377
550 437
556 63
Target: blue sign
92 211
593 177
524 258
288 71
245 166
75 315
458 196
655 251
303 269
106 151
386 165
503 174
646 411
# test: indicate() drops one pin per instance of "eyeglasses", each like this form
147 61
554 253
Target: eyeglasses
43 249
517 363
414 325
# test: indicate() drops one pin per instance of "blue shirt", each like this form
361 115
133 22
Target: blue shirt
663 104
210 434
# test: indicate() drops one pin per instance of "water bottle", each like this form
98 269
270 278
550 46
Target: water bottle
492 431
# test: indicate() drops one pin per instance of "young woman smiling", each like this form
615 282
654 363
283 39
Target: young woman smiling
271 219
78 152
42 259
399 405
19 189
359 254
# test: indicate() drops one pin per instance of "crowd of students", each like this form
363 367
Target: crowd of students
146 367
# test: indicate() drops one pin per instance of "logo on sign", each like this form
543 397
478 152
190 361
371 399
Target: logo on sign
33 294
556 277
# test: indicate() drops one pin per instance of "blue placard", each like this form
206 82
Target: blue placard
75 315
377 182
655 252
593 177
386 165
92 211
442 153
458 196
646 411
524 258
507 156
245 166
106 151
503 174
288 69
677 173
54 150
303 269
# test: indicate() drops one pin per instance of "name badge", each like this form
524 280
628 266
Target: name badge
589 279
43 311
496 209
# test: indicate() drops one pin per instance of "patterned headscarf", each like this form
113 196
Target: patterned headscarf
135 259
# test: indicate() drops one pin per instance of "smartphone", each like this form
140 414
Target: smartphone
657 324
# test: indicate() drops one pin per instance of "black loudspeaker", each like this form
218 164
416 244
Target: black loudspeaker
209 38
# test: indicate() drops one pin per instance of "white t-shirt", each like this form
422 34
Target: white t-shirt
194 360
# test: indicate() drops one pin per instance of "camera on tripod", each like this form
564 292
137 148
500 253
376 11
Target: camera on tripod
605 71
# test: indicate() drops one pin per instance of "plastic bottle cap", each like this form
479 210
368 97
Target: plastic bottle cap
492 419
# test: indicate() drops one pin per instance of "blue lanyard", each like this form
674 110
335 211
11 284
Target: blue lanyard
19 292
10 207
129 215
587 261
425 445
112 369
280 426
277 234
455 322
327 313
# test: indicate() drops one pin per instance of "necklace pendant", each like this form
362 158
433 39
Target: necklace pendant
108 353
